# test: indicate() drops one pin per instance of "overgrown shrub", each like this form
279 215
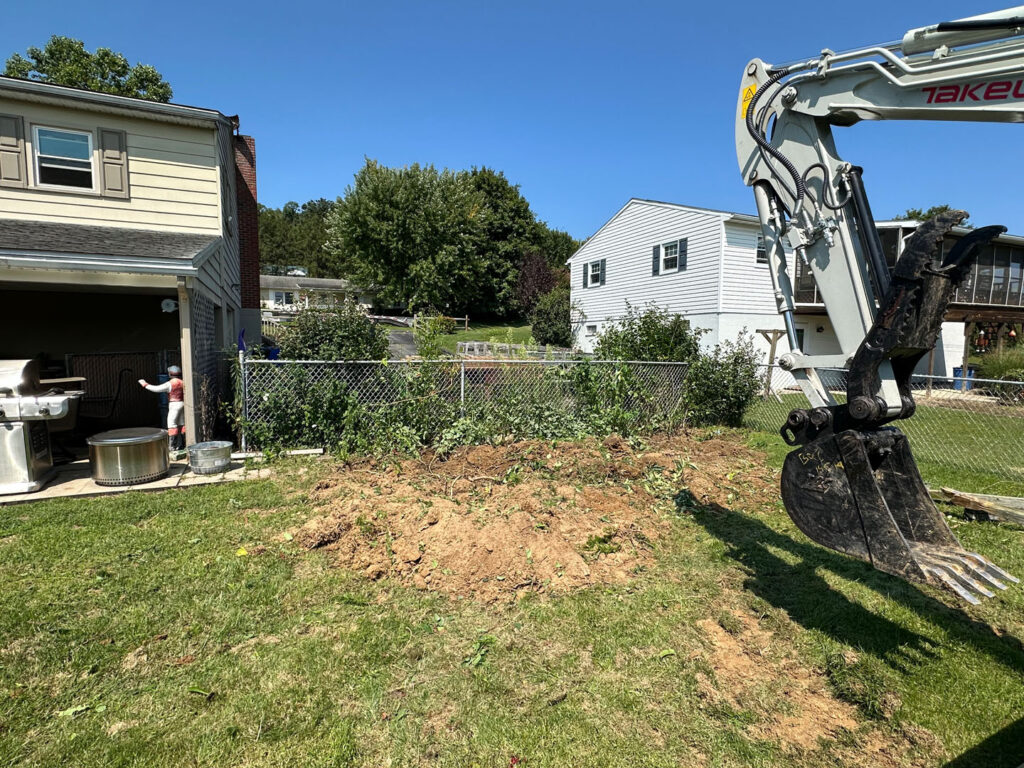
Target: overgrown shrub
379 409
649 334
551 318
340 332
998 364
722 383
428 332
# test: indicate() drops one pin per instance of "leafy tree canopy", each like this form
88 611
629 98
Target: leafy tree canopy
65 61
455 241
294 236
916 214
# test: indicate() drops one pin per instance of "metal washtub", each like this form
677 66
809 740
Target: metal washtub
209 458
128 456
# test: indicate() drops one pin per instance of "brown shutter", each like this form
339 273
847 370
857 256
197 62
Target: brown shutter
113 163
12 152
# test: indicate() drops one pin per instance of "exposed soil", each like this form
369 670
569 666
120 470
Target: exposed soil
494 522
750 662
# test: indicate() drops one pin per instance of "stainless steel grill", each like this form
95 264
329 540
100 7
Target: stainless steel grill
26 463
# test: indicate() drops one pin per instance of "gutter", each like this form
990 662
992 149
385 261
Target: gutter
60 94
59 262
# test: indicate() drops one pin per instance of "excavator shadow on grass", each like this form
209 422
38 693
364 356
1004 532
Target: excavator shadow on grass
788 574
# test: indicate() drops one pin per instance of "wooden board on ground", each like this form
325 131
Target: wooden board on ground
1006 508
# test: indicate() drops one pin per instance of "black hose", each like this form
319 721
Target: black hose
801 187
826 189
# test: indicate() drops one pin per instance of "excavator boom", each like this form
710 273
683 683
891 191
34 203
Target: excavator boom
852 483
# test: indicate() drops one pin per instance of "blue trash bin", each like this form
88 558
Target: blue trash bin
959 381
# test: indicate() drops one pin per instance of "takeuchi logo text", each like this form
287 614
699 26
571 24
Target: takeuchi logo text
995 91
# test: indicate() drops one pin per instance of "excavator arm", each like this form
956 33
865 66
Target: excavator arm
852 484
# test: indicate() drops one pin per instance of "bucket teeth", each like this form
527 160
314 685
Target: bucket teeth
860 492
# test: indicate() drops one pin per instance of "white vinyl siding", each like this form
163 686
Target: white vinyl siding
746 282
173 174
625 244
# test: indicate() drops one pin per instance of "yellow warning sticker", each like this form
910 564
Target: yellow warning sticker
748 94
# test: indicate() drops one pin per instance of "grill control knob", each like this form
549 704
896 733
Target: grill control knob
44 410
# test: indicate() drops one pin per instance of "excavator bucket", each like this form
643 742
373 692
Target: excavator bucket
859 492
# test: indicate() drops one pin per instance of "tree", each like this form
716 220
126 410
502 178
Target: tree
452 240
409 232
505 230
294 236
535 279
551 318
650 334
341 332
916 214
65 61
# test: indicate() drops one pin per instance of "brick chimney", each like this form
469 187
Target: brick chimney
248 220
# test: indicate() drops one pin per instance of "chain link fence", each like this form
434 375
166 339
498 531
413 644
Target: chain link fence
278 397
974 424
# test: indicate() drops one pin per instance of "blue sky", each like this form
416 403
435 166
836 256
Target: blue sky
583 104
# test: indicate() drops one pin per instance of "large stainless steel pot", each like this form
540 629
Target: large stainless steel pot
128 456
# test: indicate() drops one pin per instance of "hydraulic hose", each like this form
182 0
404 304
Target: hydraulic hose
801 187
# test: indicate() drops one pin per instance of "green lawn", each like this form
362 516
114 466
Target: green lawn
135 632
969 450
517 334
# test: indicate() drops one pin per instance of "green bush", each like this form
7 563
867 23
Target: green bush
721 384
650 334
428 335
341 332
998 365
550 318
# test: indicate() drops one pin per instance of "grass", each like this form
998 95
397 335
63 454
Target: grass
135 632
968 450
516 334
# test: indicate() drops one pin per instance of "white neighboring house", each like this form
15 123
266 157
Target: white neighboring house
704 264
290 293
709 266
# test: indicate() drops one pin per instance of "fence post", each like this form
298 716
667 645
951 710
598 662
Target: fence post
245 398
462 387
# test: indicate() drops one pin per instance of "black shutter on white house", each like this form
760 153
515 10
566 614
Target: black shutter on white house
586 274
682 255
656 260
602 271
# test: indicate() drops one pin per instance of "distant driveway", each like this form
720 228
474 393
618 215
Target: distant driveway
401 344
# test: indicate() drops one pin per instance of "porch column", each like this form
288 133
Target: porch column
185 324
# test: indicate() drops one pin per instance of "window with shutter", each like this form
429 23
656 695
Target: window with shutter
670 257
63 158
595 273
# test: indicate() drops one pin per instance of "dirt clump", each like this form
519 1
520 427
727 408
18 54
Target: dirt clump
495 522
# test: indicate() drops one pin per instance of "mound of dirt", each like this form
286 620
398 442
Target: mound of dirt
495 522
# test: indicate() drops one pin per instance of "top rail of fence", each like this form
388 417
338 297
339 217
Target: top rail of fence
460 360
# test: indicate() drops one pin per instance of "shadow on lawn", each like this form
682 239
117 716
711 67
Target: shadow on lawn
804 594
1004 748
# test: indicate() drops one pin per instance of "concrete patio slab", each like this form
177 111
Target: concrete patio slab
74 480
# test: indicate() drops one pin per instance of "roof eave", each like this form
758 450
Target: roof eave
30 90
